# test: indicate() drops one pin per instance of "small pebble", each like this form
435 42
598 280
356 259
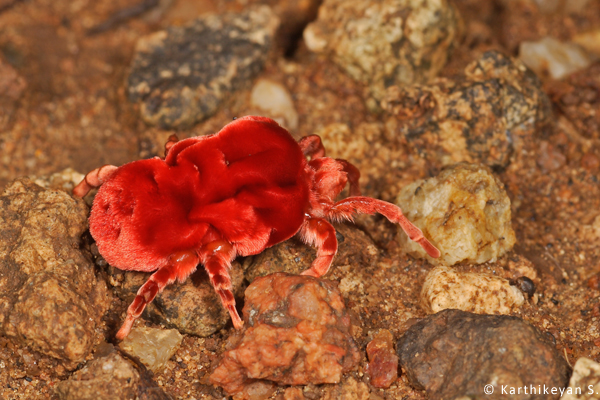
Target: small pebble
183 74
275 101
446 288
585 381
549 56
152 346
383 361
525 285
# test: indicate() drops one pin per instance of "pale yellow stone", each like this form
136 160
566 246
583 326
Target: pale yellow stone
152 346
549 56
585 381
445 288
464 211
275 101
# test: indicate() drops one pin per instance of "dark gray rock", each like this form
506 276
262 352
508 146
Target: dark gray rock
181 75
455 353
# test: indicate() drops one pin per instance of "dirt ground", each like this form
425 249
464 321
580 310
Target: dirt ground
73 112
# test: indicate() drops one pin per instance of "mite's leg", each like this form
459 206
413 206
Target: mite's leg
365 205
312 146
217 257
353 176
170 142
93 179
321 234
180 266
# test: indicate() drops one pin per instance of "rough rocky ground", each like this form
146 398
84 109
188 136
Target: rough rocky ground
63 103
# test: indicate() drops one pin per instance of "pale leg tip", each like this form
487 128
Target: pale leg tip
310 272
433 251
124 331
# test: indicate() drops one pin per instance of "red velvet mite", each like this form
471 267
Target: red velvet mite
213 198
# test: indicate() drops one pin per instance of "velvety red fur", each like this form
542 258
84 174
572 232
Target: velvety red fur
245 184
216 197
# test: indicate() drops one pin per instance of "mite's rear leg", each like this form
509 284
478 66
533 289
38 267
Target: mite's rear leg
345 208
93 179
180 266
170 142
312 146
321 234
217 257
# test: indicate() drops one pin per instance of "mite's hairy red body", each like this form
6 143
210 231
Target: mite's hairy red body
213 198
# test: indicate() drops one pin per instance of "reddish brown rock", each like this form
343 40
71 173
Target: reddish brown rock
383 361
51 299
297 333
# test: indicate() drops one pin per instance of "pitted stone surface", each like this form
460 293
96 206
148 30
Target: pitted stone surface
181 75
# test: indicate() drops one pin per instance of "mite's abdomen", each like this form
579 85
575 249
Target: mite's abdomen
245 185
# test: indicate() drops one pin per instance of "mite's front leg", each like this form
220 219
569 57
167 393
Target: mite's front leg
217 257
344 209
321 234
312 146
180 266
93 179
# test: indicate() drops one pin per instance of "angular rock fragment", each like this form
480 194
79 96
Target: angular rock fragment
552 57
191 307
297 332
181 75
152 346
585 381
484 117
388 42
273 100
454 353
464 211
50 297
383 361
467 291
109 377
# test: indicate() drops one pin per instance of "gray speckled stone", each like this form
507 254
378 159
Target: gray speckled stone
181 75
454 354
388 42
485 116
